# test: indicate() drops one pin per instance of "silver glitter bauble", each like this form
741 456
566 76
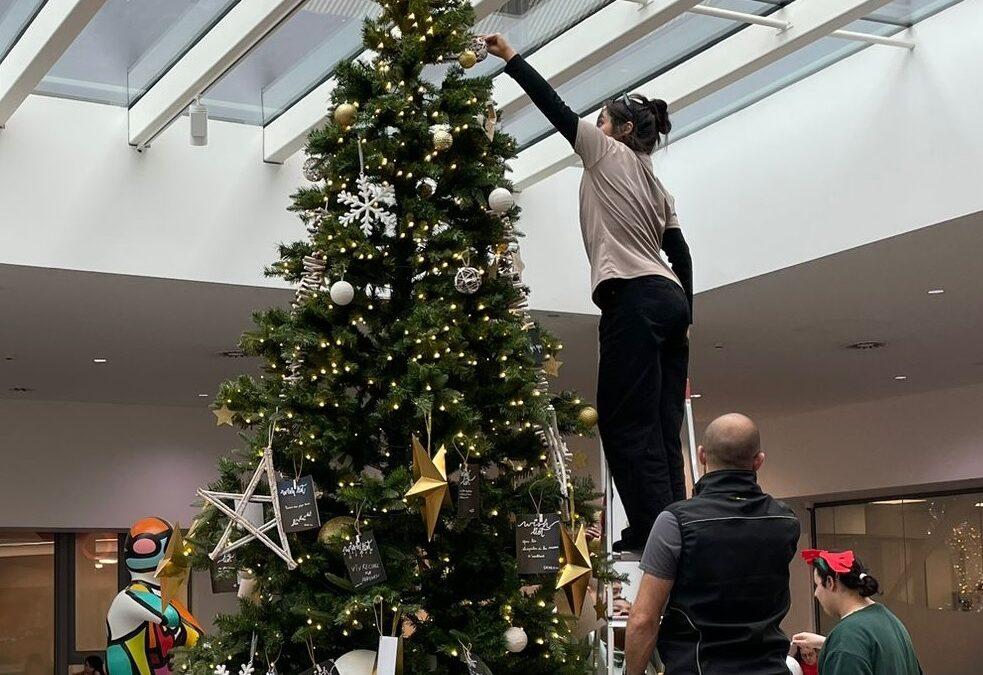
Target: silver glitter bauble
426 187
467 280
312 169
479 48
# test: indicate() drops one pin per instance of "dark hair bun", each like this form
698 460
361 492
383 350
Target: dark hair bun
661 110
868 586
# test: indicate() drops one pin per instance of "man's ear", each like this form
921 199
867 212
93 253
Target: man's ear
759 460
701 455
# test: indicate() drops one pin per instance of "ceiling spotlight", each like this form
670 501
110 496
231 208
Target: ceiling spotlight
696 395
198 115
900 377
202 395
936 291
100 360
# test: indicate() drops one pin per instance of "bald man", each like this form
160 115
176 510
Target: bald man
718 564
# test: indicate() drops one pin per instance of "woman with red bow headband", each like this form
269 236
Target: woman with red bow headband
869 639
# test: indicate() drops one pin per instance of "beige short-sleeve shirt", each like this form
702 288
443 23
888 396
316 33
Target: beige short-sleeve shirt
624 209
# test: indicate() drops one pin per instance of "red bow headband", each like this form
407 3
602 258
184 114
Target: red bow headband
841 563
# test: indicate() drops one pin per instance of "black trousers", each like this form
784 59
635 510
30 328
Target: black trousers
641 390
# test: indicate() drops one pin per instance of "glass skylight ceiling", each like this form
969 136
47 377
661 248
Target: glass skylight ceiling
529 24
625 70
662 49
147 36
15 15
296 57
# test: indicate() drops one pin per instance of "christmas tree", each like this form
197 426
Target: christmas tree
406 370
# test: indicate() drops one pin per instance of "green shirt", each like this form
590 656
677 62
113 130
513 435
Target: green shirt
871 641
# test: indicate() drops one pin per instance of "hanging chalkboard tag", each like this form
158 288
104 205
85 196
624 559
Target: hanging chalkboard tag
223 574
468 493
537 543
298 504
363 560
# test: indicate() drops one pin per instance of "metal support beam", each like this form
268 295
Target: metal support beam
235 34
288 133
44 41
742 17
736 57
873 39
594 39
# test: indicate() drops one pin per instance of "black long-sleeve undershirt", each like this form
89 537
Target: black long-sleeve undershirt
566 121
544 97
677 250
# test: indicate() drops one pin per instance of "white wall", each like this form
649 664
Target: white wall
86 465
881 143
74 195
890 445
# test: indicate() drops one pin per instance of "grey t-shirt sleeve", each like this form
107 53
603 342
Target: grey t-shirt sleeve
661 556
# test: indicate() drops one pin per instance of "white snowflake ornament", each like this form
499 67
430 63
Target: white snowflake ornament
221 670
370 206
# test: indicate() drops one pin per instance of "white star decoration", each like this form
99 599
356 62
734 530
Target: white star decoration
370 205
238 519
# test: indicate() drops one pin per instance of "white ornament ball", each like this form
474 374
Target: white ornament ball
467 280
396 33
357 662
342 292
500 200
516 639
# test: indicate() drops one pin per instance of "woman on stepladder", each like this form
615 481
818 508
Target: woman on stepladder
627 218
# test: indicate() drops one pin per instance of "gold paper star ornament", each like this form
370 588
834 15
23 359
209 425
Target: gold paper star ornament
223 415
576 571
551 366
173 569
431 483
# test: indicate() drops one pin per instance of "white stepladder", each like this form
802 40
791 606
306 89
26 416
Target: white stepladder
612 622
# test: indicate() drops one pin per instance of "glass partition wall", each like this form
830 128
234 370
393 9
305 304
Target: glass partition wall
927 554
55 590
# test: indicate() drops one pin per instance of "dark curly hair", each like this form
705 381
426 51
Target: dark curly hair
649 118
857 579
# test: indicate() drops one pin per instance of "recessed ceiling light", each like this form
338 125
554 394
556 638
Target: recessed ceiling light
979 505
100 360
21 390
898 502
696 395
900 377
202 395
936 291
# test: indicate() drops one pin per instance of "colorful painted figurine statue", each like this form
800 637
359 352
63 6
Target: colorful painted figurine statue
141 631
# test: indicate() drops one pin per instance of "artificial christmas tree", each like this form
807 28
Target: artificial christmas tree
417 367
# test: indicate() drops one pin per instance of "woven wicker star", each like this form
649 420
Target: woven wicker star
238 520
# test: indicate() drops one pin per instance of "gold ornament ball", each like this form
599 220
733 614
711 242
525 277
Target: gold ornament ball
344 114
467 59
442 139
334 528
587 416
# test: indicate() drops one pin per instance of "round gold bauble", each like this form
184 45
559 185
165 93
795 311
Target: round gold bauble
587 416
334 528
344 114
467 59
442 139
